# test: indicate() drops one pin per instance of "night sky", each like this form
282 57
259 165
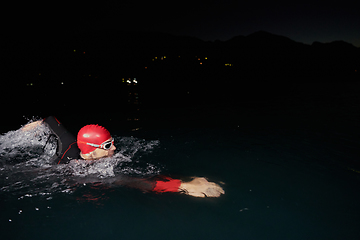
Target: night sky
303 21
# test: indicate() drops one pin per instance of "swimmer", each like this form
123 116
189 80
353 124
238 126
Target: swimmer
95 142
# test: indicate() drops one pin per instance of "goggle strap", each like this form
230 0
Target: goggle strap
93 145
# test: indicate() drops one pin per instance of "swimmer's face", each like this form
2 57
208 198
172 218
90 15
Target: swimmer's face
101 153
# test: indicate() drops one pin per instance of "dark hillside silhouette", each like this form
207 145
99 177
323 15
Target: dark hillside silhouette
176 70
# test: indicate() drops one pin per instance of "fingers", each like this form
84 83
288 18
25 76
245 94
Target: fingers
220 189
214 192
217 188
212 189
201 187
196 194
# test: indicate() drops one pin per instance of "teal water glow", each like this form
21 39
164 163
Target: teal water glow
288 173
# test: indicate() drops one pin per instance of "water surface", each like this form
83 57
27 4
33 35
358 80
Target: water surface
290 171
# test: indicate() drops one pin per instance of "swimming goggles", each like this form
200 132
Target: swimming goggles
106 145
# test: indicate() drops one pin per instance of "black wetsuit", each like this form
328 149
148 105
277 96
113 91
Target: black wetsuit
67 148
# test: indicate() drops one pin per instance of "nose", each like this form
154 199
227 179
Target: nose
113 147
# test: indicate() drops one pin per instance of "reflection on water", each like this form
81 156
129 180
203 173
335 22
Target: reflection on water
132 94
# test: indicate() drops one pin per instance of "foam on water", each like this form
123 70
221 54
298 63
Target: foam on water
26 170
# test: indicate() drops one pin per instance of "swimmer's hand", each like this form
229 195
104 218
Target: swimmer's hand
200 187
31 126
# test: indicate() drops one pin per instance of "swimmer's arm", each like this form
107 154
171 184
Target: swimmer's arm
197 187
31 126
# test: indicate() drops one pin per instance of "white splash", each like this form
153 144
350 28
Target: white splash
121 163
25 169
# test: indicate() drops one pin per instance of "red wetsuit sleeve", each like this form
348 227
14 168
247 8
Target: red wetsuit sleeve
171 185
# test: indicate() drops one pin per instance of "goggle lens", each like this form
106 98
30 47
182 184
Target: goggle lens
108 145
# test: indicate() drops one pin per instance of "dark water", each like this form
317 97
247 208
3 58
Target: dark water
290 170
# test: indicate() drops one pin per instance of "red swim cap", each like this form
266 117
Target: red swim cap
94 134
